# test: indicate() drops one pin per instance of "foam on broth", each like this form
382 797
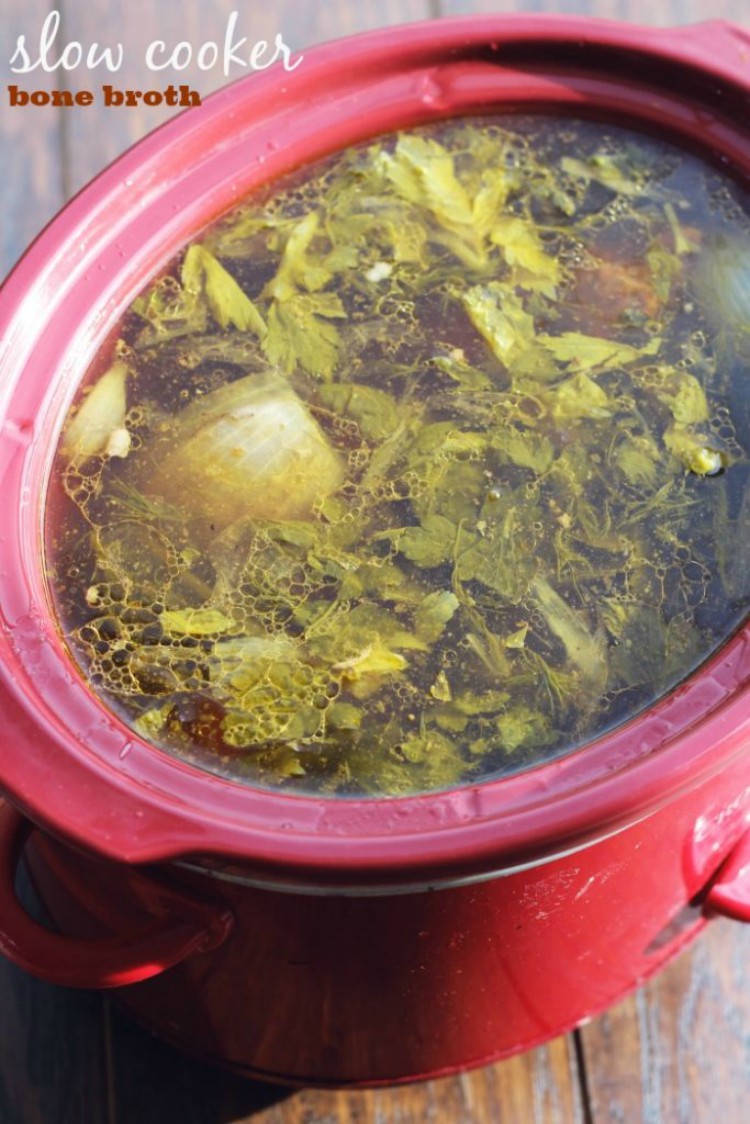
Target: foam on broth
426 465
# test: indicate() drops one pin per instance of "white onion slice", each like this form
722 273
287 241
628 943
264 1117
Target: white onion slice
249 449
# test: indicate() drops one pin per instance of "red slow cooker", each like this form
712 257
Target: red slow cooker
312 940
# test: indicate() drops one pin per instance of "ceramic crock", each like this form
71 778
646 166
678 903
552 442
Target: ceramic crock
315 940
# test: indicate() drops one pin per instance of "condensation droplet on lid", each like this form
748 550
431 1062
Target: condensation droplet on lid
431 92
20 430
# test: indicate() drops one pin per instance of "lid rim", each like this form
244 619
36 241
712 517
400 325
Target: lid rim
458 830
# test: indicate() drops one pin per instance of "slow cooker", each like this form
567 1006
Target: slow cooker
314 940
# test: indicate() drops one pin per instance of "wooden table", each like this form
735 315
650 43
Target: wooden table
677 1052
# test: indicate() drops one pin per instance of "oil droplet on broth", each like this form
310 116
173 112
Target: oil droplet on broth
500 507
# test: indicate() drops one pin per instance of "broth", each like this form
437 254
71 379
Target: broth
425 465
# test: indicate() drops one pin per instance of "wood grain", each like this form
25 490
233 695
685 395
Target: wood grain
52 1062
664 14
52 1056
152 1083
540 1087
96 135
30 146
678 1052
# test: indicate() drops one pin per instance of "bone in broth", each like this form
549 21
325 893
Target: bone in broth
425 465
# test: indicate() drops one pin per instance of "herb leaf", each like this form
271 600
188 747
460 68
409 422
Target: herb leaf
229 305
300 333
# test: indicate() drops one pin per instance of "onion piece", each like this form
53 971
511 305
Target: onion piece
249 449
100 415
722 281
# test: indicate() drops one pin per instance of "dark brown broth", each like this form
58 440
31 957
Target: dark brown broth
507 363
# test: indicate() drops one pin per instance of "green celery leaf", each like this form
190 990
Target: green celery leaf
580 397
587 353
297 269
422 171
462 373
499 317
684 396
229 305
639 459
300 334
374 410
522 247
586 649
604 169
490 196
430 544
526 449
522 726
344 716
665 269
433 614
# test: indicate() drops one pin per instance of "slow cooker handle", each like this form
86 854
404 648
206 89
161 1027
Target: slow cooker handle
184 925
729 894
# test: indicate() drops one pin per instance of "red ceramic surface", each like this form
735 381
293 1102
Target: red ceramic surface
176 926
658 804
361 989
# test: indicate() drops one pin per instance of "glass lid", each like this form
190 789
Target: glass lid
423 466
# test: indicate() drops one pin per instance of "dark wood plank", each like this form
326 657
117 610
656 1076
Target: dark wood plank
96 135
664 14
52 1051
156 1083
533 1088
678 1052
52 1063
30 145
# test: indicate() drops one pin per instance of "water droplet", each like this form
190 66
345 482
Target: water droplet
431 91
125 750
20 430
